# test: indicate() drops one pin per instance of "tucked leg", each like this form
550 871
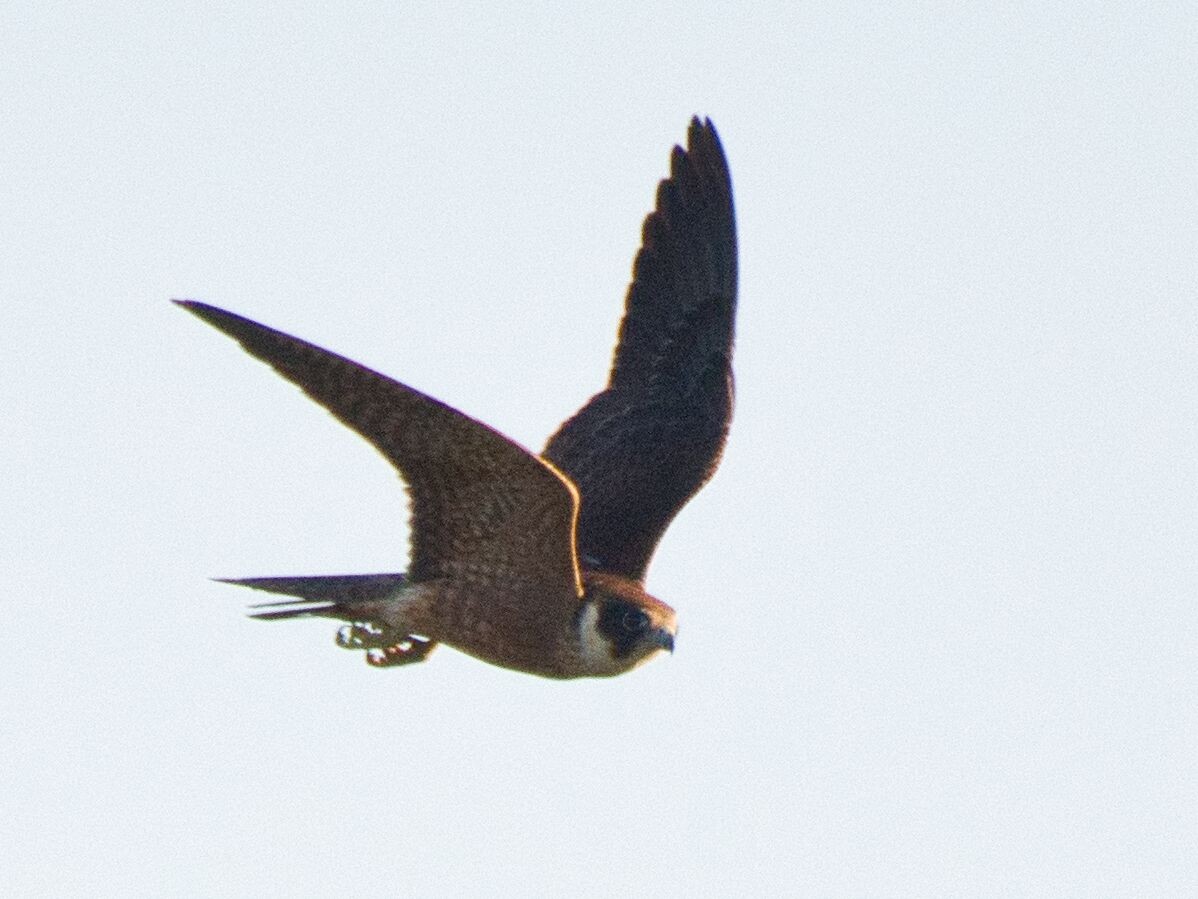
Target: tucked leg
367 635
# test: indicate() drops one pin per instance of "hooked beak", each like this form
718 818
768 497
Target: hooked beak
663 638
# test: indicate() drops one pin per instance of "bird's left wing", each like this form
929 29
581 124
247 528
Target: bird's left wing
480 502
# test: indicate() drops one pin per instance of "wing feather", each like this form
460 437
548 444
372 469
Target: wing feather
640 449
482 506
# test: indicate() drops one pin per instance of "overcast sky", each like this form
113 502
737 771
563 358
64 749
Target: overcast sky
938 634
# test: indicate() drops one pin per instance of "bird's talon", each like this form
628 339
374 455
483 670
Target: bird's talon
404 652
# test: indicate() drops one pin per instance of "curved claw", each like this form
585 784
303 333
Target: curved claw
406 651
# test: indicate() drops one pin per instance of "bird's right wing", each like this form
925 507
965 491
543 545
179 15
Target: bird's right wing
644 446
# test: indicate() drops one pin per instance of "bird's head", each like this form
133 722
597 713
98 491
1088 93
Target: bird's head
621 626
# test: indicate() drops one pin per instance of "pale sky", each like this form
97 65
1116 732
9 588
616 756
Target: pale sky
938 633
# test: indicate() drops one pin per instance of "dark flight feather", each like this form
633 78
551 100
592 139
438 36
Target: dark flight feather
640 449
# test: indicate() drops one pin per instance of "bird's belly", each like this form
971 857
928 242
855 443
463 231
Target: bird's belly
510 629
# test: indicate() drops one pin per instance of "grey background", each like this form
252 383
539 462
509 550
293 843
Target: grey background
937 610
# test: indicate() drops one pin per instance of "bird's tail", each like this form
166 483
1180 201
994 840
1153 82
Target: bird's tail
346 597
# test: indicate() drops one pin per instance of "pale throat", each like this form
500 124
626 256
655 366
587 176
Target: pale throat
593 646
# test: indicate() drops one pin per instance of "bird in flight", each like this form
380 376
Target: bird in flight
537 563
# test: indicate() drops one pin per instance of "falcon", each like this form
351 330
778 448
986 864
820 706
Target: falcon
537 563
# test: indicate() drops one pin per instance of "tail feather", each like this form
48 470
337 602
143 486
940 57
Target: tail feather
300 610
340 596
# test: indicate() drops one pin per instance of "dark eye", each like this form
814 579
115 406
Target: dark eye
635 621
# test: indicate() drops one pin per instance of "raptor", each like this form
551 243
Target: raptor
536 562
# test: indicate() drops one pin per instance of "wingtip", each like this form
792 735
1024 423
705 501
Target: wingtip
703 145
208 312
221 319
701 125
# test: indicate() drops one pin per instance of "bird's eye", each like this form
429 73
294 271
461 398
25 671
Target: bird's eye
635 621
